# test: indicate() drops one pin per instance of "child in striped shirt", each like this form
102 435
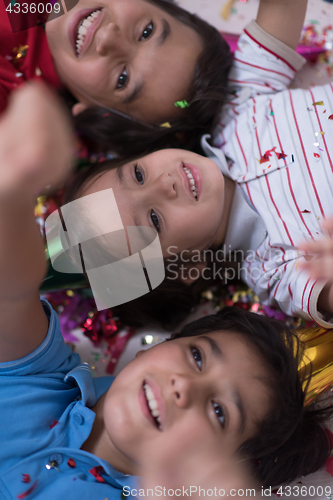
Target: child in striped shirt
274 148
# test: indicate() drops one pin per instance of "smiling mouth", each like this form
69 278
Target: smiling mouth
191 182
82 29
152 405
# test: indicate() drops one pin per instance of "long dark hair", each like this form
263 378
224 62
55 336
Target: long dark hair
290 441
107 131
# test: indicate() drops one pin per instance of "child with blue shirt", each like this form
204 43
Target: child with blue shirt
181 411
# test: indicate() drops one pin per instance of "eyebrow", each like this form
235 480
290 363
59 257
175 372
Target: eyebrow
166 32
239 403
216 351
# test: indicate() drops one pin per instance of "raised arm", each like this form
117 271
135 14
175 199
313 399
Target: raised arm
35 151
283 19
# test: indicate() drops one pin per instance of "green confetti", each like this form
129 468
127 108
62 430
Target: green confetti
12 2
182 104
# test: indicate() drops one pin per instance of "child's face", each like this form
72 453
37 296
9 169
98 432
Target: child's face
135 57
210 387
155 191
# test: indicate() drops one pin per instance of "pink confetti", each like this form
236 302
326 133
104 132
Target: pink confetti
26 493
316 155
71 463
95 471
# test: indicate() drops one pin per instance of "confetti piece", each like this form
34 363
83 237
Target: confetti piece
281 155
318 103
309 109
305 212
25 478
292 158
54 423
297 263
182 104
38 72
316 155
71 463
316 144
322 133
330 117
26 493
106 114
95 471
272 113
165 125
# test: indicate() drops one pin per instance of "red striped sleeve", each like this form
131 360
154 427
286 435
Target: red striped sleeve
263 69
270 51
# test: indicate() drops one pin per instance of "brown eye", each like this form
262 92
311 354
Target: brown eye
147 32
219 413
122 80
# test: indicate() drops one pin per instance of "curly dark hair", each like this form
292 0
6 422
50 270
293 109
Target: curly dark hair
290 441
109 131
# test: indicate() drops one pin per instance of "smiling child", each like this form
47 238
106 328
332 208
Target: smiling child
125 65
229 381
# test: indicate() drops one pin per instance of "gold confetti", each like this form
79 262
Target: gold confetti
318 103
297 263
165 125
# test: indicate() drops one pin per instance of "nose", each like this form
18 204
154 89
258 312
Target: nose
110 38
184 390
165 186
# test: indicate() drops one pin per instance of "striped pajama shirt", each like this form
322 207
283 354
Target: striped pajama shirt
278 145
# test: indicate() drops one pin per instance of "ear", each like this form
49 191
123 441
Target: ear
78 108
190 272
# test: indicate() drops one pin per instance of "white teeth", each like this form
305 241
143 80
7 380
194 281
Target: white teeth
152 403
83 30
192 183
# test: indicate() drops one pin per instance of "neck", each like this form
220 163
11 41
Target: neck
229 191
100 444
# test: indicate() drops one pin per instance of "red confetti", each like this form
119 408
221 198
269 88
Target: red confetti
276 492
305 212
330 117
106 114
95 471
316 155
26 493
329 466
71 463
281 156
54 423
25 478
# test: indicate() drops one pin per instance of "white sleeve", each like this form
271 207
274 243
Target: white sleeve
278 280
262 63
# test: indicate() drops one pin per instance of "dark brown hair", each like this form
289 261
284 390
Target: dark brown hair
290 441
110 132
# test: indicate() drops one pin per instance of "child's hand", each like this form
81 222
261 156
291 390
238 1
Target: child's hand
320 265
35 141
184 464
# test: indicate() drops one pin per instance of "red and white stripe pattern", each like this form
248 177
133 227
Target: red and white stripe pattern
293 190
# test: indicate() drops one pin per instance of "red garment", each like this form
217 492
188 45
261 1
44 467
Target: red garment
36 61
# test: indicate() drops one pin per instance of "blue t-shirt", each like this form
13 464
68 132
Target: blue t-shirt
45 419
